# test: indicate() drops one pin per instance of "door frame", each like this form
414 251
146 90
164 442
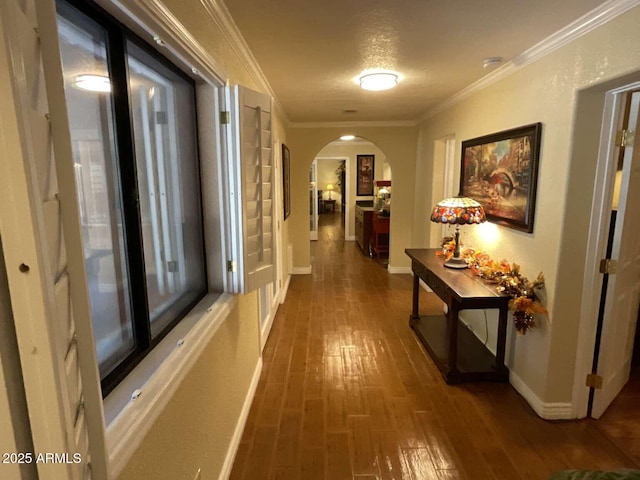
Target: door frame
612 119
313 232
345 190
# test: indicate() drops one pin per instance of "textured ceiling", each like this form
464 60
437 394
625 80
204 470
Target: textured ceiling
311 51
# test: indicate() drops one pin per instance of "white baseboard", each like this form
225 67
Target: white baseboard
237 434
285 289
425 287
301 270
351 238
266 328
396 270
548 411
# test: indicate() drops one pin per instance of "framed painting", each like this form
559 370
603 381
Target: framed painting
500 171
364 175
286 180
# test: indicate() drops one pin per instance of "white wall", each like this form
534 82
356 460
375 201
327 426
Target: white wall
327 175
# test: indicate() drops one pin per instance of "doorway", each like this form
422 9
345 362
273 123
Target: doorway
616 329
327 192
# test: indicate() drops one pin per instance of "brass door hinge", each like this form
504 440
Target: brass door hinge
624 138
225 118
608 266
594 381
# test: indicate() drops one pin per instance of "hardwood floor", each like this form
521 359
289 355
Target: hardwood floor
621 421
348 393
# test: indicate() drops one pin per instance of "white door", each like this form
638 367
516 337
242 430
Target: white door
313 201
623 293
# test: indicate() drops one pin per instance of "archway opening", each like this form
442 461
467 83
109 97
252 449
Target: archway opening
345 179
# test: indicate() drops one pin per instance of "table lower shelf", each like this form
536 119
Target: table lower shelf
474 360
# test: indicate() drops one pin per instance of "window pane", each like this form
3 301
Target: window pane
90 108
163 109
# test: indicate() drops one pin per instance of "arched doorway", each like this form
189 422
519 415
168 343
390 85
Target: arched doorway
334 187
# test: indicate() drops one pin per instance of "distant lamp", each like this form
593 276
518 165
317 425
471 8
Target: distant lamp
458 211
330 189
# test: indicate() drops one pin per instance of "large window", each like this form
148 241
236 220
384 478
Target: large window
132 119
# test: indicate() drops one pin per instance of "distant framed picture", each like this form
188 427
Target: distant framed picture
500 171
286 180
364 177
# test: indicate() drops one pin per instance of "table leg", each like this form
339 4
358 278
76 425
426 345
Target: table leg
452 327
415 313
501 341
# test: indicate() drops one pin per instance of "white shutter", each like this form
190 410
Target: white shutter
251 190
48 292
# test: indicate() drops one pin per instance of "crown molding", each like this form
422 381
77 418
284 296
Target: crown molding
398 123
155 19
221 17
583 25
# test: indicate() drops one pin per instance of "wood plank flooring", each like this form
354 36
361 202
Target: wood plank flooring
621 421
347 393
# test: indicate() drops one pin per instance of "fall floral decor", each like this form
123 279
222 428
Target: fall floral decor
508 280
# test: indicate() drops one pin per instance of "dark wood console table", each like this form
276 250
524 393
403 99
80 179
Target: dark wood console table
457 352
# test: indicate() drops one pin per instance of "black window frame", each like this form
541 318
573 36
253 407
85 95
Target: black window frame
117 36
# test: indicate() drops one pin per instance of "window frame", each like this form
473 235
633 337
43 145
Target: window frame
117 36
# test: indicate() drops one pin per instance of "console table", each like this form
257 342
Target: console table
329 203
457 352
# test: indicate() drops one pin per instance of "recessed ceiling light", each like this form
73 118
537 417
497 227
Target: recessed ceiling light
347 138
377 81
93 83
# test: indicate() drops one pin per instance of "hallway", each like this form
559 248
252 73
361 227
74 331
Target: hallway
346 392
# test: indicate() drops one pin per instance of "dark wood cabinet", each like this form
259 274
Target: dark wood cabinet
380 235
363 221
457 352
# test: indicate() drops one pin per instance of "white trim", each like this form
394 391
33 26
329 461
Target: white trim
127 431
547 411
221 17
583 25
266 326
301 270
396 270
285 289
390 123
425 287
225 472
151 18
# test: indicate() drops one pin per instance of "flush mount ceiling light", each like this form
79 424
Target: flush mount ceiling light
492 62
377 81
347 138
93 83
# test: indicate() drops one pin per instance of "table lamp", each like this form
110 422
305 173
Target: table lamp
330 189
458 211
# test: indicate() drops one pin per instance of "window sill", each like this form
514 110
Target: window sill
154 381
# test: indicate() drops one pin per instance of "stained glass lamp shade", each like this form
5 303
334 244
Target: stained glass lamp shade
458 211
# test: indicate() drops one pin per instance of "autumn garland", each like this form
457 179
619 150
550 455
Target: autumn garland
524 302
